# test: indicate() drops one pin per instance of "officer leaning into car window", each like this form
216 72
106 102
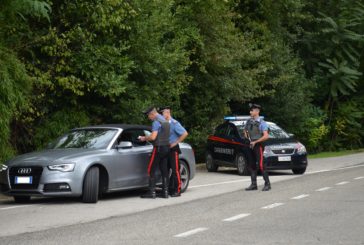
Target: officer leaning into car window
256 130
160 137
177 134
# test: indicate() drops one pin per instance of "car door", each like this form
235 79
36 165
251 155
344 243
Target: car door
231 144
131 165
217 142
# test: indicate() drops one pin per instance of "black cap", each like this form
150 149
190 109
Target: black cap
162 108
254 106
147 111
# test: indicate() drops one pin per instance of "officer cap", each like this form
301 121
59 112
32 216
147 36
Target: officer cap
162 108
254 106
149 110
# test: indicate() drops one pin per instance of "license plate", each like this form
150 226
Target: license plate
23 180
284 159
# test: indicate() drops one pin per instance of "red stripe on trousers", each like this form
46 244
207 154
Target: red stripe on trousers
177 172
151 160
261 158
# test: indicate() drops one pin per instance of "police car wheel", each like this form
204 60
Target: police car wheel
299 170
211 166
241 164
185 175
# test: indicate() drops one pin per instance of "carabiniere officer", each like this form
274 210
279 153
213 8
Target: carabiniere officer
256 130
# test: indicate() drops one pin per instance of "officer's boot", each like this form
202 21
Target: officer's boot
266 181
165 187
151 193
253 185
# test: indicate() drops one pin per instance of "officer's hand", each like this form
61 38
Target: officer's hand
252 144
173 145
142 138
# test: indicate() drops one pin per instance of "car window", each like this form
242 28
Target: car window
132 135
276 132
220 131
85 138
231 131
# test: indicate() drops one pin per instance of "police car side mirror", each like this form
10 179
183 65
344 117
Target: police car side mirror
124 145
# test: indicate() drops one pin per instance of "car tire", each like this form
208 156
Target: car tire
299 170
21 199
185 175
211 166
90 192
242 164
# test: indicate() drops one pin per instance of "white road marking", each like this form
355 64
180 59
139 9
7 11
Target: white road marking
343 183
274 205
358 178
220 183
319 171
324 189
18 206
191 232
300 197
236 217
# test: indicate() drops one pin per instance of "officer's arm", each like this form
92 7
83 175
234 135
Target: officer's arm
152 136
180 139
264 137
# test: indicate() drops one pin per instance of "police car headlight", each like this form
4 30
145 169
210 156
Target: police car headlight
301 149
67 167
3 167
267 151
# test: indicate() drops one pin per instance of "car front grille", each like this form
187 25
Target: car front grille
283 151
35 173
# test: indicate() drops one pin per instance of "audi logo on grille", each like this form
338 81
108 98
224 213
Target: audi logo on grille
24 170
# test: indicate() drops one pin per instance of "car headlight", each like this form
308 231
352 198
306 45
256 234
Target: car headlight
301 149
3 167
67 167
267 151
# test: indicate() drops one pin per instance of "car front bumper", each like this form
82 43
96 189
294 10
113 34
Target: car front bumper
46 183
297 162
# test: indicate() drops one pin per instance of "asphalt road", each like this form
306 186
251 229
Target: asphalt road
324 206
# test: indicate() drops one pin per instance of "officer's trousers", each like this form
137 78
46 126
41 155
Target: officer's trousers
173 163
257 159
159 158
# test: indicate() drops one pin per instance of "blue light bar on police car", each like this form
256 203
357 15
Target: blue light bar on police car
238 118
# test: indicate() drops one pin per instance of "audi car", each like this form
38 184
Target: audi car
87 162
229 147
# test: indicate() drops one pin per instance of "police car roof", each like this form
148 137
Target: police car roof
241 120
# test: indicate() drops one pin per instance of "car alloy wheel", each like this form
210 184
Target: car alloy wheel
185 176
241 164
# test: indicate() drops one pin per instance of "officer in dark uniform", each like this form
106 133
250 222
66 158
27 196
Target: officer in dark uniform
160 137
177 134
256 130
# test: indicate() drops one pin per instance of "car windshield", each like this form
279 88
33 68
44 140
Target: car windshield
85 138
275 132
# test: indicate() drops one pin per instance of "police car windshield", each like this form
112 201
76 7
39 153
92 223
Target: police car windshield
275 132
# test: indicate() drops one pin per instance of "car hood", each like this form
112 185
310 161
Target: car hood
46 157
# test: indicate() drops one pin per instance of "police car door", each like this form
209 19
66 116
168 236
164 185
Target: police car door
216 144
230 147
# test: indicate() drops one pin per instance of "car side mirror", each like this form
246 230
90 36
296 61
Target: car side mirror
124 145
291 135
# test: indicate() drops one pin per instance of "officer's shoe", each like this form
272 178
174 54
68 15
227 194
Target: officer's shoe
266 187
149 194
176 194
252 187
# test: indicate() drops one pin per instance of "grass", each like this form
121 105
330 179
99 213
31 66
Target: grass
334 153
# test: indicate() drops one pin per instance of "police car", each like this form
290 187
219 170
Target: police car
229 147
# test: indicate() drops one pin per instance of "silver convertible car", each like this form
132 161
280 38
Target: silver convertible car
87 162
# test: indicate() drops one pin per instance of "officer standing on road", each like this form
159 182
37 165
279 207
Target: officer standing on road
160 137
177 134
256 130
